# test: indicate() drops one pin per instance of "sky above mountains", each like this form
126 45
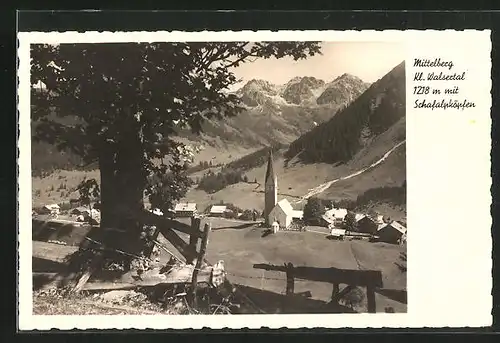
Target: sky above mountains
367 60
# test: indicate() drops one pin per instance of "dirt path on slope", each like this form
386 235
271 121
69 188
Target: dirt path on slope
324 186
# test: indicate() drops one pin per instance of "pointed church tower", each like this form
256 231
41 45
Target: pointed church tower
271 189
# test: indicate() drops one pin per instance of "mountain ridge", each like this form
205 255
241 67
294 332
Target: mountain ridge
267 119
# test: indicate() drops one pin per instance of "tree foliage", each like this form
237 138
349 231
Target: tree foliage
313 210
392 195
89 191
354 298
212 182
120 104
350 222
255 159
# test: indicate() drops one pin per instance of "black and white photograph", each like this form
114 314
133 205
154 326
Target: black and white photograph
218 178
252 178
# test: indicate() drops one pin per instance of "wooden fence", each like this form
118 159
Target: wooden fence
108 240
370 279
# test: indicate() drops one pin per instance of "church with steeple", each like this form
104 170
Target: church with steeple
277 214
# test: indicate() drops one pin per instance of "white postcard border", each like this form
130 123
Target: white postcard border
423 253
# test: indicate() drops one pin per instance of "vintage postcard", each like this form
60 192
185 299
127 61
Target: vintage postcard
298 179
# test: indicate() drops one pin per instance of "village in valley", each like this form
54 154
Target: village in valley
295 205
278 215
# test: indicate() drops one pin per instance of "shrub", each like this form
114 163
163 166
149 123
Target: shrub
350 222
211 182
65 206
247 215
354 298
313 210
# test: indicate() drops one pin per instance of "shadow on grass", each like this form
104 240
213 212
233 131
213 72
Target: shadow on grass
334 238
40 280
400 296
47 266
273 303
45 230
242 226
266 233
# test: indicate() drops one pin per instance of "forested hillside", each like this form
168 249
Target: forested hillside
372 113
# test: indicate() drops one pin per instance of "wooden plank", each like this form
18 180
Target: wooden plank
153 219
333 275
177 275
129 280
193 237
52 251
94 264
177 242
199 260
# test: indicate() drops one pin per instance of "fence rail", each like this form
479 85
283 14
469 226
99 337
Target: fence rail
370 279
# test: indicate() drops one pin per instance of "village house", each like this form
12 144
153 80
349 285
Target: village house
81 210
53 209
83 213
366 224
156 211
217 210
185 209
337 233
392 232
297 215
334 217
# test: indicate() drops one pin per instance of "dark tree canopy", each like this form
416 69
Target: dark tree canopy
313 210
350 222
120 104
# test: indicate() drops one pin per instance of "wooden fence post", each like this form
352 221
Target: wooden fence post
370 297
94 264
193 238
335 290
290 280
199 261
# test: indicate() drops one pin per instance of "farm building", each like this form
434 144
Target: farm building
366 224
81 210
156 211
217 210
282 213
391 233
49 209
83 213
297 214
338 233
334 216
187 209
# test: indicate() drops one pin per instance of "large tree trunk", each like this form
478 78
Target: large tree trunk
109 190
130 183
123 180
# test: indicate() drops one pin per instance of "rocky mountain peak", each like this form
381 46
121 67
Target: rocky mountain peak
299 89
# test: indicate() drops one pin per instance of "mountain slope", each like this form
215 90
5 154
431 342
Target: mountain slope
354 127
343 89
361 147
278 114
273 115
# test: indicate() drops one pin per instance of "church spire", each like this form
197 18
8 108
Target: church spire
270 170
271 190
